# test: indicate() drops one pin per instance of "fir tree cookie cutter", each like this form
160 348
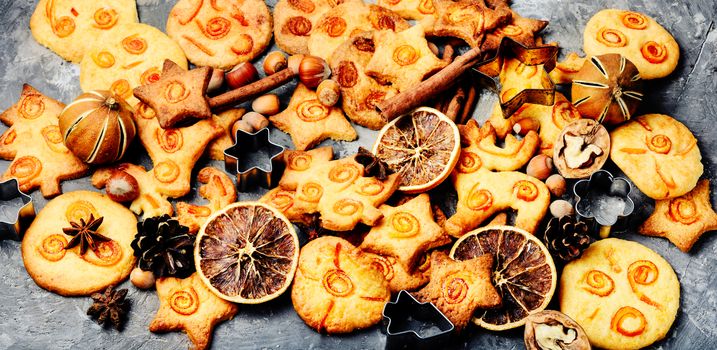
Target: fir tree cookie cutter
410 324
254 159
603 198
16 210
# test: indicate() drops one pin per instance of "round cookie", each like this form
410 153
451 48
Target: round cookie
220 34
294 20
622 293
129 56
335 290
659 154
66 272
636 36
70 27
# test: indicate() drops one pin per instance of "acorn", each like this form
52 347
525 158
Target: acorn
328 92
274 62
266 105
313 70
97 127
244 73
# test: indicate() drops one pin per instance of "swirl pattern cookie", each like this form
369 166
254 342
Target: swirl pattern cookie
294 20
623 294
220 34
637 37
217 188
410 9
469 20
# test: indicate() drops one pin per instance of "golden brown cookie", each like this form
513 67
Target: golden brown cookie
217 188
624 295
521 29
225 120
68 272
188 305
659 154
309 122
347 19
465 19
566 70
294 21
406 232
636 36
220 34
409 9
396 274
130 55
70 27
683 219
299 165
334 290
403 59
34 144
359 92
486 182
515 77
283 201
151 201
459 288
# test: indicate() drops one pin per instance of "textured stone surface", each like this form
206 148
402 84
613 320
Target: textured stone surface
32 318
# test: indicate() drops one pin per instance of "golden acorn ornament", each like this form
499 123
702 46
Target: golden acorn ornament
97 127
608 88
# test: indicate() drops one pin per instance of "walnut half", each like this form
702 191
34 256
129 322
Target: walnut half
581 149
553 330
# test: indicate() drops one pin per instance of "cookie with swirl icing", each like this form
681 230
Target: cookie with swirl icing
294 21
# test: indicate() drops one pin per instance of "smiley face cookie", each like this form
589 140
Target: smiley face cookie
69 272
636 36
220 34
659 154
294 21
130 55
622 293
70 27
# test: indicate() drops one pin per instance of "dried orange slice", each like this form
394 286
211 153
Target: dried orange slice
524 273
423 145
247 253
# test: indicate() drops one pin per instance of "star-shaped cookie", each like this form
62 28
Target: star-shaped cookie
217 188
309 122
402 58
34 144
299 165
465 19
406 231
398 276
225 120
178 95
188 305
684 219
521 29
458 288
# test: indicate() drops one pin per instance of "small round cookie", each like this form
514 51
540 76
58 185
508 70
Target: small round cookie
70 27
659 154
637 37
335 290
294 20
68 272
623 294
129 56
220 34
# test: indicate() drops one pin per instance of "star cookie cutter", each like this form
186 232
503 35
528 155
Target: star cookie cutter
410 324
488 72
603 198
254 159
16 210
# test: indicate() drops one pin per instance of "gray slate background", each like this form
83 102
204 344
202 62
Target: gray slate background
31 318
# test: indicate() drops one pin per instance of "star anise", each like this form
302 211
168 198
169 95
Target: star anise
109 307
372 166
85 234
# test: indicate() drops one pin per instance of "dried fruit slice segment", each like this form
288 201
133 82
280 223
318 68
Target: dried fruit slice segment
423 145
247 253
524 273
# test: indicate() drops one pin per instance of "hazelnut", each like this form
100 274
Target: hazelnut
266 105
256 120
294 62
122 187
556 185
274 62
524 126
242 125
313 70
328 93
216 81
540 167
560 208
551 329
244 73
142 279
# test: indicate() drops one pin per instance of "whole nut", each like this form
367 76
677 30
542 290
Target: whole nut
122 187
256 120
540 167
525 125
294 62
242 125
313 70
328 92
216 81
266 105
551 329
142 279
274 62
244 73
556 185
560 208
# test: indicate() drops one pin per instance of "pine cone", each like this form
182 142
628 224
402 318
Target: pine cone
566 238
164 247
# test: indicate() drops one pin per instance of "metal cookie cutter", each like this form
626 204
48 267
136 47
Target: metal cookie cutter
414 325
16 210
254 159
604 198
488 72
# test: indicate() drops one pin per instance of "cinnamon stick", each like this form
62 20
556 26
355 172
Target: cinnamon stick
469 104
247 92
439 82
448 51
456 103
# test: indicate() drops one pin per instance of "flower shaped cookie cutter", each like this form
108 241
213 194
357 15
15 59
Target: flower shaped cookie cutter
254 159
16 210
411 324
604 198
